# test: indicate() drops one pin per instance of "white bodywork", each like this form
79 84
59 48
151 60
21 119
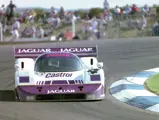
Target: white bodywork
25 67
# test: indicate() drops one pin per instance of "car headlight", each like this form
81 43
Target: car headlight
91 96
30 98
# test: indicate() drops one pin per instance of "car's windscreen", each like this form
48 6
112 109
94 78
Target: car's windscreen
59 63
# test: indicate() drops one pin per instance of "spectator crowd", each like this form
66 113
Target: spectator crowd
43 27
96 27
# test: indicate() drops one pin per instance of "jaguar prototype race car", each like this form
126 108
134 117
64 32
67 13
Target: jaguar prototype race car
44 74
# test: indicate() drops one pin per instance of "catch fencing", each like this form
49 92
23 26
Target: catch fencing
132 26
1 32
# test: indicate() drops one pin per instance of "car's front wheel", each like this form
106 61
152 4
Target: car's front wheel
16 96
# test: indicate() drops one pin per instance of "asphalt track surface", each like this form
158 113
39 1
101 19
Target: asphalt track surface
121 58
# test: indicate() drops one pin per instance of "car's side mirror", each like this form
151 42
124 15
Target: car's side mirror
93 71
16 66
100 65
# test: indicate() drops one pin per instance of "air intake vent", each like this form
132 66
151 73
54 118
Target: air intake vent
54 82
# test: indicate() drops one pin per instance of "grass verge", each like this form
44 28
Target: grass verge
152 84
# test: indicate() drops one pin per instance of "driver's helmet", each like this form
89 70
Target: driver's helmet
49 63
53 63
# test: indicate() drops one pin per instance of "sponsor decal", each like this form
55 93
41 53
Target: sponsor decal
33 50
51 75
43 50
60 91
76 50
58 55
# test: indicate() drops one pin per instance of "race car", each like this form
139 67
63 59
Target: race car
48 74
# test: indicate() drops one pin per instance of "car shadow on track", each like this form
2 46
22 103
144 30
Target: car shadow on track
7 96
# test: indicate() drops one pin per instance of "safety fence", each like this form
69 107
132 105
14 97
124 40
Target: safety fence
1 32
10 34
131 26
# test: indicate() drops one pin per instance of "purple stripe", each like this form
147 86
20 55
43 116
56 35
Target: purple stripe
87 55
43 82
87 88
95 77
37 82
71 81
59 82
24 79
35 56
22 51
76 81
47 82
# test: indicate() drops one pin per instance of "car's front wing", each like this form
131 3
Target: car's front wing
61 92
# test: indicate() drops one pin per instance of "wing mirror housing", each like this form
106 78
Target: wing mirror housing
16 66
93 71
100 65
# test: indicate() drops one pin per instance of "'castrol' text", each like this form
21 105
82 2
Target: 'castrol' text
51 75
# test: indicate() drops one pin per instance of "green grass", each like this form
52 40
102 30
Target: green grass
152 84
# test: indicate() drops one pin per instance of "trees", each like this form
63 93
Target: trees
39 12
80 13
61 12
95 12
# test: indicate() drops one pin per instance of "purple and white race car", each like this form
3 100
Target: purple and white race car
44 74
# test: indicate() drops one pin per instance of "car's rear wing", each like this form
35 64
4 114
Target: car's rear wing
35 52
